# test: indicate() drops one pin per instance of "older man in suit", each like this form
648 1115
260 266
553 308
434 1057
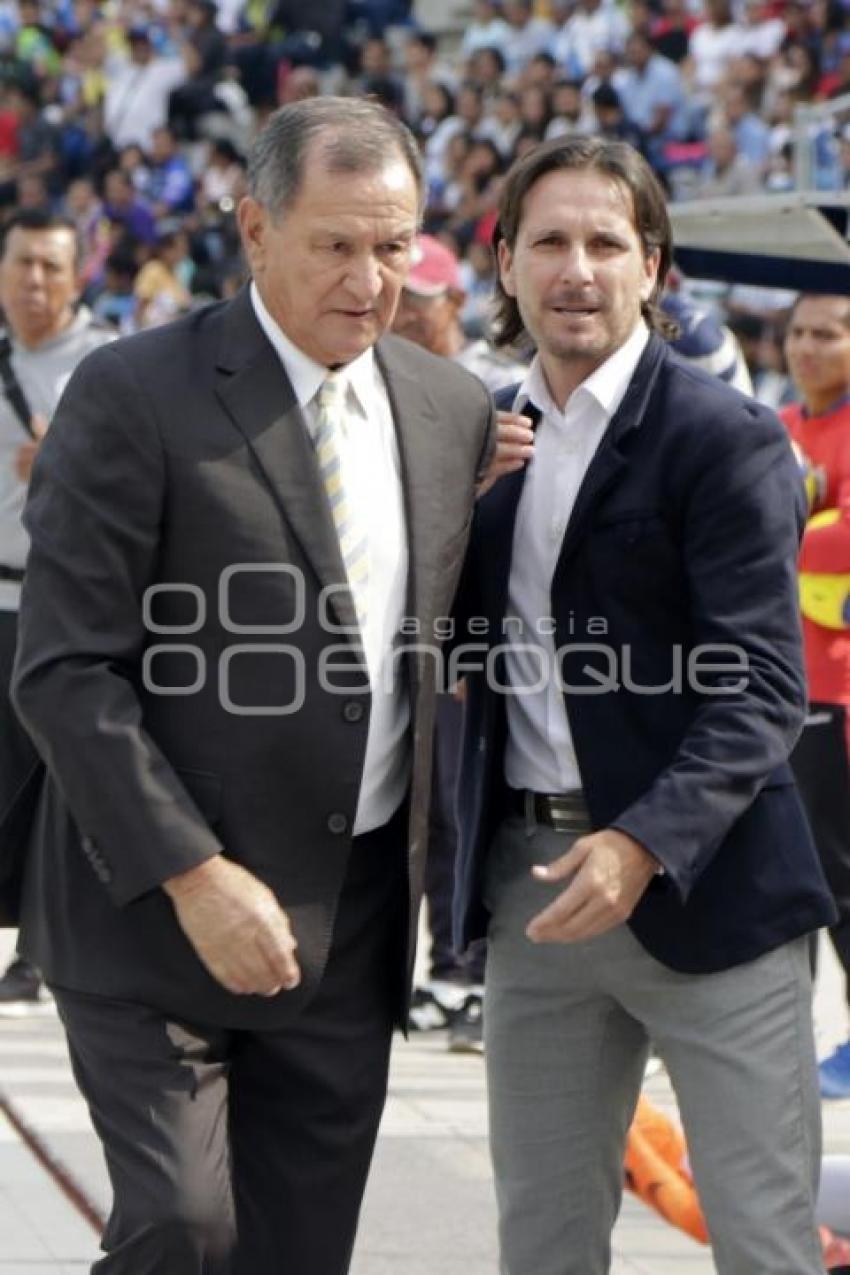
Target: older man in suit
230 520
632 840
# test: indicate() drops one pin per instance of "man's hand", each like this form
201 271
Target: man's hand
514 448
27 452
236 926
611 873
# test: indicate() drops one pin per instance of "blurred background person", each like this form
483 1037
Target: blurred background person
138 89
703 340
162 286
429 311
817 347
46 335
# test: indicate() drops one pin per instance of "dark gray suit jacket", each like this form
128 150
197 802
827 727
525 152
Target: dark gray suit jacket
174 455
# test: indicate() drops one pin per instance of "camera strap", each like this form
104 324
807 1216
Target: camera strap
12 387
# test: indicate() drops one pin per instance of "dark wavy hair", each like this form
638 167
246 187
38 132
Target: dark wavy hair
614 159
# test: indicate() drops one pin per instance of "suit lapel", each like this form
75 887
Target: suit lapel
611 459
496 515
422 464
497 534
259 400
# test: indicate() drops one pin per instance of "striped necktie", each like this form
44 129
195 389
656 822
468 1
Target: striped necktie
327 440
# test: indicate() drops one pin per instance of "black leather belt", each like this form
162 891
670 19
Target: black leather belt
563 811
12 573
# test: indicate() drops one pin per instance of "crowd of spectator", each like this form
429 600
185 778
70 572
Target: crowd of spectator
134 117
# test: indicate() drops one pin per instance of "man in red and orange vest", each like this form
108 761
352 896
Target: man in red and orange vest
817 348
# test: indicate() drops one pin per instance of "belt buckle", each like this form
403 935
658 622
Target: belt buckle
562 815
548 810
559 819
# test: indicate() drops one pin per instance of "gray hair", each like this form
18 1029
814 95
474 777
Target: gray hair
359 136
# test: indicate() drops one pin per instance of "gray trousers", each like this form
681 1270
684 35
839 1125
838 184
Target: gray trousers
567 1029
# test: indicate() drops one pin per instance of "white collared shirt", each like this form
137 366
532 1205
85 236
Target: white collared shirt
371 474
539 753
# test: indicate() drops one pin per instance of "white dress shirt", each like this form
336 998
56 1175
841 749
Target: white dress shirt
539 753
371 474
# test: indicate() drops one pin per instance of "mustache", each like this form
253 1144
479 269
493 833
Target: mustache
580 301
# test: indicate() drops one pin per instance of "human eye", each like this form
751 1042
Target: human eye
394 249
607 244
548 240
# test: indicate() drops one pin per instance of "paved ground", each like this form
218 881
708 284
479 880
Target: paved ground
429 1208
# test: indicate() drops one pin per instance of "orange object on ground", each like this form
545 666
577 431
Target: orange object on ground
836 1250
657 1172
656 1165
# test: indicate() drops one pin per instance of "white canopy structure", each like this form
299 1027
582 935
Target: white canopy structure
797 240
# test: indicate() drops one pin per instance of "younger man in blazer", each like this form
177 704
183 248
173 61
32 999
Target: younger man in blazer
632 842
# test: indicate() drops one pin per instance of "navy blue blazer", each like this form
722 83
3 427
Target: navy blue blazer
683 539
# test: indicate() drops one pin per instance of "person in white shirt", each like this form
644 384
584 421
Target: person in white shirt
761 34
712 46
487 30
529 35
632 845
593 27
137 91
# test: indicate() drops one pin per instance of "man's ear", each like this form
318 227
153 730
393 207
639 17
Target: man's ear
252 219
456 298
652 261
505 258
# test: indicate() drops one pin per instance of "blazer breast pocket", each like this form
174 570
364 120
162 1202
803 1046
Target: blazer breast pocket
636 551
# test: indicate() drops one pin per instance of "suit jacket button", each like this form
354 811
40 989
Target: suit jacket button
337 824
353 711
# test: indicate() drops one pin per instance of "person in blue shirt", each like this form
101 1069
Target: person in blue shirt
652 94
169 186
123 206
751 134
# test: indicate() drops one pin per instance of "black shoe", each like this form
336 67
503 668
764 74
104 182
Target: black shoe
466 1029
22 991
